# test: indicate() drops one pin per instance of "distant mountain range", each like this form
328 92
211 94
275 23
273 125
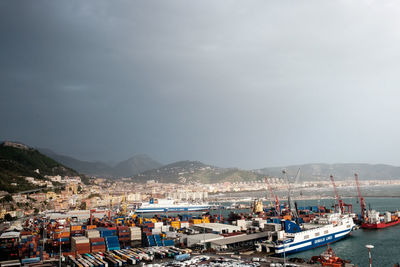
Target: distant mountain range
341 171
195 171
18 161
126 168
142 168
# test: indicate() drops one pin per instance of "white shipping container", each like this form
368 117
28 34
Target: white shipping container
79 240
158 224
185 224
156 231
92 233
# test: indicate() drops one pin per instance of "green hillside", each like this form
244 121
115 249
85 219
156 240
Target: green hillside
195 171
18 161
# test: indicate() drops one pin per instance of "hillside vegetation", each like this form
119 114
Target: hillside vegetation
19 162
195 171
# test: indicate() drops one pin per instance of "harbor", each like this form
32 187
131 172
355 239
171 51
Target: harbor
199 133
253 234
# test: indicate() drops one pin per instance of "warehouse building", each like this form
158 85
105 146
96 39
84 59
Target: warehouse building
238 241
201 239
216 228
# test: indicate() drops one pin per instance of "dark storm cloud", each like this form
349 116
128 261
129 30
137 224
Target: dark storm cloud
233 83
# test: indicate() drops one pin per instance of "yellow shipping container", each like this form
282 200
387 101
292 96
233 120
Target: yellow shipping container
176 224
76 227
197 221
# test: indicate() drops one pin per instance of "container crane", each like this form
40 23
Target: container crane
292 206
343 207
361 198
339 200
273 196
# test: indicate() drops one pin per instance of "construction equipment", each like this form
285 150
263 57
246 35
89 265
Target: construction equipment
341 206
361 199
292 207
273 196
339 200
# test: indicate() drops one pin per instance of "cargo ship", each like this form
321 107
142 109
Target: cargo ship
323 230
374 220
170 205
371 219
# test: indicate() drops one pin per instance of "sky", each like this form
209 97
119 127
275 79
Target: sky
246 84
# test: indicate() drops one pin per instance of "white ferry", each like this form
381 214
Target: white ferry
323 230
170 205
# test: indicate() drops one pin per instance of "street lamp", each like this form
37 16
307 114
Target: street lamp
369 247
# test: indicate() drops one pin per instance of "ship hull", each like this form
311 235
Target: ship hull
172 209
294 247
379 225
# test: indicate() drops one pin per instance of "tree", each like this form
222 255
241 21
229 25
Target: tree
8 217
7 198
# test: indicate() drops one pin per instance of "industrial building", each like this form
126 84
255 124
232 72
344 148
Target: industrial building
238 241
216 228
192 240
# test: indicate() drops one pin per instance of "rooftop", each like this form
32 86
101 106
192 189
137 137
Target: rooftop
239 238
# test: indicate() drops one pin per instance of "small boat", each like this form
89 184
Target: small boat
329 258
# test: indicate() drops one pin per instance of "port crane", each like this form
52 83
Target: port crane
292 206
273 196
343 207
361 198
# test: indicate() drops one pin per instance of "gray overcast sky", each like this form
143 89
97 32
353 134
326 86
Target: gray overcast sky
231 83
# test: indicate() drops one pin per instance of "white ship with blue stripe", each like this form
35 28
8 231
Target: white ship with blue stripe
169 205
324 230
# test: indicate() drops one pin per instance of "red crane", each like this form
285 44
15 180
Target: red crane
274 197
343 207
361 198
339 200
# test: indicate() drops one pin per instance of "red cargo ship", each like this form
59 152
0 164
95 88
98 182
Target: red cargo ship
379 224
371 219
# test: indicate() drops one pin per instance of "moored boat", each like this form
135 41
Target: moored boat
374 220
329 258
